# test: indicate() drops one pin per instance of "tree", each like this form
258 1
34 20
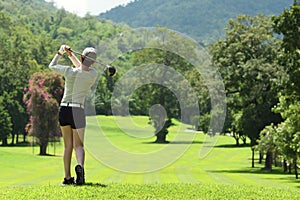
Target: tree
267 144
5 123
288 24
247 62
158 117
287 132
42 100
236 128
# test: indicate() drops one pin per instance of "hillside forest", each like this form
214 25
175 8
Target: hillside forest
203 20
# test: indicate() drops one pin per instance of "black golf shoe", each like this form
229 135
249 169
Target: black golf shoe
80 180
69 181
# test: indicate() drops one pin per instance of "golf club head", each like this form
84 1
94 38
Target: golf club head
111 70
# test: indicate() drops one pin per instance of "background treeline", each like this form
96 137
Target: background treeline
258 59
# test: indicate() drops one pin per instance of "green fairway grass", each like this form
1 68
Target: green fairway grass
225 173
153 191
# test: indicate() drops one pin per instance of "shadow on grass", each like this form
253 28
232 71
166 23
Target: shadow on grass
187 142
177 142
95 185
285 178
21 144
290 178
49 155
233 146
251 171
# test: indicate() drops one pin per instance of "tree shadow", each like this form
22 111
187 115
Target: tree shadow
250 171
257 159
290 178
233 146
176 142
282 175
167 142
21 144
187 142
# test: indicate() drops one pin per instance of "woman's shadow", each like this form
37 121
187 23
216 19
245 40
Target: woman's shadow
95 185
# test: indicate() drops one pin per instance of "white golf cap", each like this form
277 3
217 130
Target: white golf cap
90 52
89 56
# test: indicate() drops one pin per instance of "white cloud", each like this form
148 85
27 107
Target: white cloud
94 7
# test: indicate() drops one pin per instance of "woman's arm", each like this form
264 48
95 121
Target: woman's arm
54 62
74 59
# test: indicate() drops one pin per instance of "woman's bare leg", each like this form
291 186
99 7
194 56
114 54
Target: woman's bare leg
78 136
68 148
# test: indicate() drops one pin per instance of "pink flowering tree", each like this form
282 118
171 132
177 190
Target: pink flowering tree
42 99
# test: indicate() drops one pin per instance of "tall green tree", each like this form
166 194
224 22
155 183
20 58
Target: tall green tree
246 59
287 133
287 24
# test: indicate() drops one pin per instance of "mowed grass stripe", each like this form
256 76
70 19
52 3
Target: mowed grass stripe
201 176
152 178
184 175
115 177
134 178
240 179
168 175
222 159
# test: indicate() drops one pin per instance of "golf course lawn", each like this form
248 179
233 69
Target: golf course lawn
118 166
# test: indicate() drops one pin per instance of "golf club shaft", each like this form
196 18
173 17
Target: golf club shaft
107 67
76 52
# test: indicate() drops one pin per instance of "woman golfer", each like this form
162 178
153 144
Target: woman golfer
78 81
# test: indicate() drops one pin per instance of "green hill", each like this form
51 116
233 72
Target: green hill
204 20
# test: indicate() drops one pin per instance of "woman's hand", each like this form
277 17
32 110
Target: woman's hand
68 50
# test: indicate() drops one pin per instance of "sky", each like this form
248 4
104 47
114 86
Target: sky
94 7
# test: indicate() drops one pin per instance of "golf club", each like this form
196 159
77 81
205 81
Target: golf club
110 69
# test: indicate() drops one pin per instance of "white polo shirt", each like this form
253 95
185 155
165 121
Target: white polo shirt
77 82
